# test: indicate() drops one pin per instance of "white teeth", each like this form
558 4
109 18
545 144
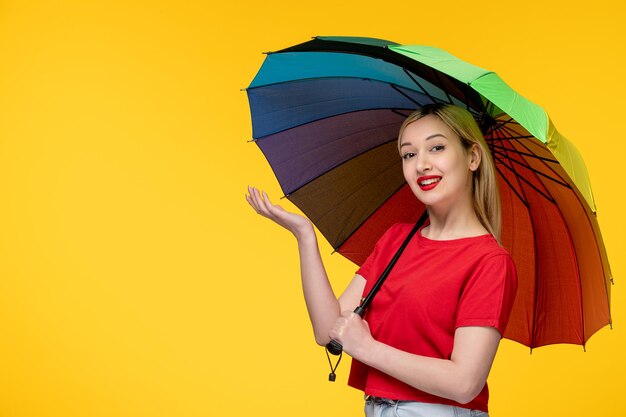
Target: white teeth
430 181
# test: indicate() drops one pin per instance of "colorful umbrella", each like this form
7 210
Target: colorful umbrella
326 114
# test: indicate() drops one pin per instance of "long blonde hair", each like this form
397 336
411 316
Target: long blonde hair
485 195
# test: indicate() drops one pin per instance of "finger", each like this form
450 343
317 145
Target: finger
259 204
264 204
253 199
276 212
269 202
271 208
256 195
249 198
253 204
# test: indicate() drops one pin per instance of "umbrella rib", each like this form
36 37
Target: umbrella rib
502 125
406 95
489 107
396 111
438 74
532 169
511 121
556 174
513 134
547 166
523 199
532 155
467 106
511 137
419 85
525 180
525 203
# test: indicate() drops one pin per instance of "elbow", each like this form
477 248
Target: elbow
321 340
468 390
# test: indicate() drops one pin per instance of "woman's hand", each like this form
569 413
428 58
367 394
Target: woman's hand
353 333
295 223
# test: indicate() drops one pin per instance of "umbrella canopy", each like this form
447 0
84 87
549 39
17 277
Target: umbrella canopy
326 114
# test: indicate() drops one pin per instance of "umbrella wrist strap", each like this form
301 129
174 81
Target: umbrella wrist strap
332 375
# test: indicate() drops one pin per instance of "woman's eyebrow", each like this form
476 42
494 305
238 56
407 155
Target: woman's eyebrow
436 135
428 138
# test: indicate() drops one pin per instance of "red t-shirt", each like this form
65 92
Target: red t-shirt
435 287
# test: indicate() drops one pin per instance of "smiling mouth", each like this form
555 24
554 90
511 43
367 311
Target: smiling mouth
428 183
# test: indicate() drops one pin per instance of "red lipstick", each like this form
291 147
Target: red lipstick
430 183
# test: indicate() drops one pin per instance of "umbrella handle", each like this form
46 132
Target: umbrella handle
334 347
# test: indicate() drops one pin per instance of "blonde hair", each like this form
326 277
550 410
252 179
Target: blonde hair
485 195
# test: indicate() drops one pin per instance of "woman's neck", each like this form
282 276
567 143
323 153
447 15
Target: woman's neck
458 222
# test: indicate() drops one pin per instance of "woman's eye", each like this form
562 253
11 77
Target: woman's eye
408 155
437 148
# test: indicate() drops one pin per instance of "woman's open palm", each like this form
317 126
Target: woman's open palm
293 222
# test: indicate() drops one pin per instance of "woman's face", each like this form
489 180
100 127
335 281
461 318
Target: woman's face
436 166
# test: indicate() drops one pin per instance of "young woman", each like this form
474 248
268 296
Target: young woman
427 341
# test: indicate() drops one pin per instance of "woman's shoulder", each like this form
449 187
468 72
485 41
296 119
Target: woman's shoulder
398 231
495 256
399 227
394 235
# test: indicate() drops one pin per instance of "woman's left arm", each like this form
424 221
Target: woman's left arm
461 378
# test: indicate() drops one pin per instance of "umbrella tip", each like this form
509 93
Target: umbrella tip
251 140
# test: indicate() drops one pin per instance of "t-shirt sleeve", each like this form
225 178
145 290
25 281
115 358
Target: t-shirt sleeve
488 296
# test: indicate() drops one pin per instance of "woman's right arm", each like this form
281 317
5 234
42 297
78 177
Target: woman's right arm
322 305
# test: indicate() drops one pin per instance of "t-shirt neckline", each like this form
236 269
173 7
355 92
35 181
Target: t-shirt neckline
458 241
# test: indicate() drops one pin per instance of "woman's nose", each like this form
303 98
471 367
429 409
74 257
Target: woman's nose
422 163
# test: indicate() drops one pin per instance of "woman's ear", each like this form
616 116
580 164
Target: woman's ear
474 157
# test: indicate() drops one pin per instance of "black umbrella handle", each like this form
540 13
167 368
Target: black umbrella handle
335 347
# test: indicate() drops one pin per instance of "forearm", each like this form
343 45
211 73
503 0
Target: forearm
440 377
322 305
321 302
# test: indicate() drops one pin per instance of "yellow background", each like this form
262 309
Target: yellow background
135 280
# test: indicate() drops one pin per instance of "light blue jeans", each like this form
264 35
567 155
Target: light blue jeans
383 407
